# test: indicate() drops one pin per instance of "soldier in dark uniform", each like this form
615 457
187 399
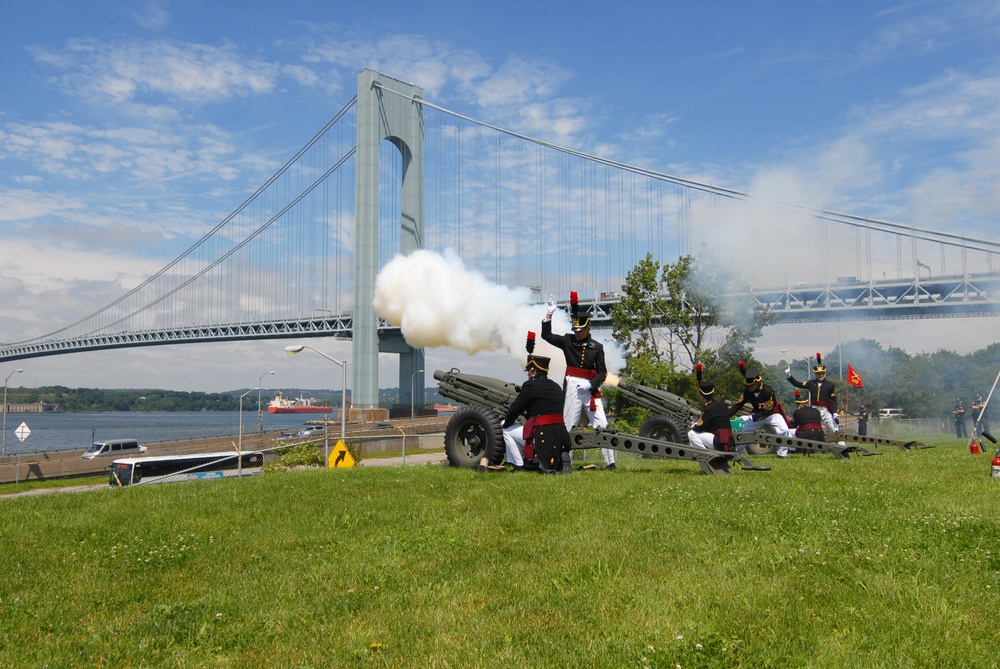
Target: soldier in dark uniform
712 429
822 393
541 400
585 370
959 413
764 406
980 417
806 421
863 421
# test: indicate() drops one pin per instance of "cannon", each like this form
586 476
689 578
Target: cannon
672 415
876 441
765 439
474 433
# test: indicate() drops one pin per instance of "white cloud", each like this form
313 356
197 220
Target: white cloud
118 72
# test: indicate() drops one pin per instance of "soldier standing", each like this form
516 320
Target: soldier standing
979 415
822 393
541 400
764 406
585 370
862 420
959 413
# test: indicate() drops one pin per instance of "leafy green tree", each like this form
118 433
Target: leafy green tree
676 315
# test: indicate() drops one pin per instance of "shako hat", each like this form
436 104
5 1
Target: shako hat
705 388
750 376
580 318
820 368
799 399
538 362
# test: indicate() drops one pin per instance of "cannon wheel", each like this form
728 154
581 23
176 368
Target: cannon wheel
474 433
660 427
763 449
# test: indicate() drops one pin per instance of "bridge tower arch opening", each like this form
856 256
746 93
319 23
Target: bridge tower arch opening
390 110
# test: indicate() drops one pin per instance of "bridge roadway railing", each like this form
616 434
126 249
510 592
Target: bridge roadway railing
936 297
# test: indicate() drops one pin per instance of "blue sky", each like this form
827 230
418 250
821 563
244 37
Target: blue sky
128 129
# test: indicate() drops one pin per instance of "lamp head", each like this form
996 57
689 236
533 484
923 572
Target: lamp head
292 350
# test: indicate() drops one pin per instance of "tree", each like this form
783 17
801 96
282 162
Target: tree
689 311
635 319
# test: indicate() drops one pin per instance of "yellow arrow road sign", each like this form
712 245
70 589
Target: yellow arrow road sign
340 457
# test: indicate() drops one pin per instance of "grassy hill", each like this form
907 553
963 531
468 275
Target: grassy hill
888 561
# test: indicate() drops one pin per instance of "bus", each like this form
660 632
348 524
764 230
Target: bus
132 471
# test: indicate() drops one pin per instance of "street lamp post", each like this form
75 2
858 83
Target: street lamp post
16 371
239 449
806 358
260 416
292 350
413 392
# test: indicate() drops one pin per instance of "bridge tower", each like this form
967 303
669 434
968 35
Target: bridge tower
388 109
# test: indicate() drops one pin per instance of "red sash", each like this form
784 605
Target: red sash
724 438
528 431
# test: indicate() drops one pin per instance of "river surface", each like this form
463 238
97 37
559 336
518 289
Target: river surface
76 431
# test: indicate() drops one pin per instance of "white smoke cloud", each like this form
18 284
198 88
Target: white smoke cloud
437 301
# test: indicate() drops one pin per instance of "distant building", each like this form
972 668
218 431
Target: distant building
37 407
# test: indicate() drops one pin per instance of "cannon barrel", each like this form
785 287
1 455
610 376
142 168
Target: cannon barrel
660 401
477 390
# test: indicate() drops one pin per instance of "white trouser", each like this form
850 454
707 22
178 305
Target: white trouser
829 424
702 439
513 440
578 401
774 420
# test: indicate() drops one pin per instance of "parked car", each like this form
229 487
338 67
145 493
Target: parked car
890 413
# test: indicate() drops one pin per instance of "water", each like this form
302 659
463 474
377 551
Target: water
76 431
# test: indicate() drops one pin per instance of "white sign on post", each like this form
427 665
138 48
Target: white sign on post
22 433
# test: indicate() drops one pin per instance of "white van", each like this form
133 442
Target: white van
118 448
890 413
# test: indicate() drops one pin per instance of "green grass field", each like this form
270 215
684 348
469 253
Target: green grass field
887 561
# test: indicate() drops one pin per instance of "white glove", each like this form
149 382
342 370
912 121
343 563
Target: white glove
551 305
788 371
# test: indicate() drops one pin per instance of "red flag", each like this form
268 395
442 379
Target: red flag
853 378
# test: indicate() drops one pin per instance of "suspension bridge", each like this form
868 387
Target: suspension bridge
392 173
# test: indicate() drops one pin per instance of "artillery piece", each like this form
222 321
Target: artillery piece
474 433
672 414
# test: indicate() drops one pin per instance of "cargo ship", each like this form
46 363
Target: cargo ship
299 405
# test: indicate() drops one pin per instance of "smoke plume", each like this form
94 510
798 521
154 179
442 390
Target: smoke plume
437 301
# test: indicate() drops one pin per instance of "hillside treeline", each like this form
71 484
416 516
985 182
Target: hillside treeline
145 399
922 384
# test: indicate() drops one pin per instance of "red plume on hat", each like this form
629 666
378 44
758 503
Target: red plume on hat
697 372
530 343
819 359
574 302
743 367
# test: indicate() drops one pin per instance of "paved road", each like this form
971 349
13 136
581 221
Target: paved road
418 459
